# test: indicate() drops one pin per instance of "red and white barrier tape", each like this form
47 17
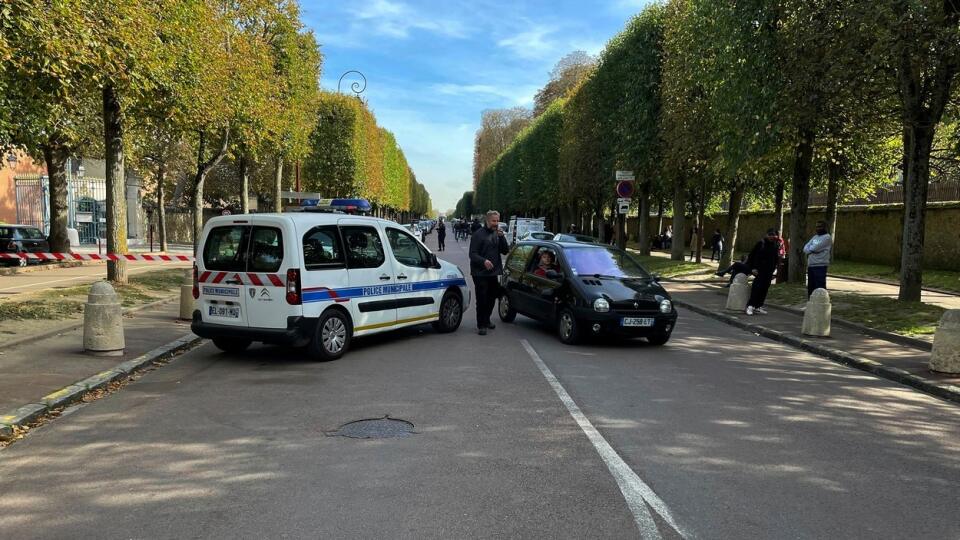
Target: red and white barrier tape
96 257
241 278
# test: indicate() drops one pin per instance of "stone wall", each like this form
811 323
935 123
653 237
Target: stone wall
868 234
180 225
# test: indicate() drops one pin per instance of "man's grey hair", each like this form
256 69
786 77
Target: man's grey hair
491 213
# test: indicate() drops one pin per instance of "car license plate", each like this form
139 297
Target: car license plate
636 321
231 312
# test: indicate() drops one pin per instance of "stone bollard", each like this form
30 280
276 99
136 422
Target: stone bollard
816 318
739 294
946 344
103 321
186 296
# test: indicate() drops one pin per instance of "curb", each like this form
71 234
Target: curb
947 392
892 283
27 414
889 336
72 326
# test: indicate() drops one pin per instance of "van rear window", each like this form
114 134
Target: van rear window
226 249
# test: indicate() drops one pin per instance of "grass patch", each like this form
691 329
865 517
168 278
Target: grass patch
668 268
938 279
887 314
66 302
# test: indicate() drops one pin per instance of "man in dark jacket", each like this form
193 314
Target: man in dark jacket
486 246
763 261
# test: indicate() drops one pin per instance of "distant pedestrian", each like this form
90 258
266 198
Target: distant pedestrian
762 261
668 237
818 250
694 242
486 246
716 245
441 235
475 226
572 229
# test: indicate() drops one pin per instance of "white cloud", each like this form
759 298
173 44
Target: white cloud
532 43
396 20
515 95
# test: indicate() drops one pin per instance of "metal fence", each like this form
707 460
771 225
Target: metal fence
86 205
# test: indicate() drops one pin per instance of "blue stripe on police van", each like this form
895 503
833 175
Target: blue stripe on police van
321 295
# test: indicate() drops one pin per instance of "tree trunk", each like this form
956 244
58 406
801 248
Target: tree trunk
800 199
116 184
778 203
203 169
161 205
278 186
678 249
56 159
701 221
918 140
834 172
733 225
660 204
244 185
643 230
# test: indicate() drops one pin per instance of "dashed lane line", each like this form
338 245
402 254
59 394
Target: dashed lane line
639 496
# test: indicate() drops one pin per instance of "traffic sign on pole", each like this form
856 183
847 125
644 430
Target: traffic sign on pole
623 205
624 176
625 189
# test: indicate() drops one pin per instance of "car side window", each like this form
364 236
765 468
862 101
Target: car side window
364 247
322 249
406 250
226 248
517 260
266 249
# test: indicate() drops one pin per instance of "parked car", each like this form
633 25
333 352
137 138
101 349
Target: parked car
571 237
538 235
22 239
590 290
415 230
318 280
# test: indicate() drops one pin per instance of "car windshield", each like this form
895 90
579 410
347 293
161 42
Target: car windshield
604 261
29 233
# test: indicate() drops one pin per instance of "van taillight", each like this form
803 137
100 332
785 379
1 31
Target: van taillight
196 283
293 287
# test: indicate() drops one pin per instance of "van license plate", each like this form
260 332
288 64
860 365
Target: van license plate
225 311
636 321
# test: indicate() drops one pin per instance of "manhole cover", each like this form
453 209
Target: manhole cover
375 428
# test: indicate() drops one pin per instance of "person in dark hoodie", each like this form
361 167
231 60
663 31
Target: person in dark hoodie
486 246
763 261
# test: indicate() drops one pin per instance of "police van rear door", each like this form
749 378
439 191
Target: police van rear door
220 272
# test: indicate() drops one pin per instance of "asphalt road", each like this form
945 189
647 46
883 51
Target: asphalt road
719 434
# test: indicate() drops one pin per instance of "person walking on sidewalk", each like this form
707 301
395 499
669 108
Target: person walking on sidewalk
694 243
441 235
716 245
486 246
818 251
763 261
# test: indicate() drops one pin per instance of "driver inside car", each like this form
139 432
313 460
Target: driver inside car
546 264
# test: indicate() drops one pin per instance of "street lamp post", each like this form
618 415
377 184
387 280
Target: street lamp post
356 87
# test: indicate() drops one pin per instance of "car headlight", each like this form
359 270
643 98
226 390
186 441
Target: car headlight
601 305
666 306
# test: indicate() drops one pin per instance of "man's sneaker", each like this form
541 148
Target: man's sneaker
482 331
761 311
749 310
491 326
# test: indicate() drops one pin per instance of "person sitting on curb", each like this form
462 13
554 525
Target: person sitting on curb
763 261
738 267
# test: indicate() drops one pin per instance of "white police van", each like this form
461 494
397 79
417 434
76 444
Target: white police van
318 280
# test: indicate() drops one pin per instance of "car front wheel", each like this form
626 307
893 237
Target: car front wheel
332 337
567 327
451 313
505 310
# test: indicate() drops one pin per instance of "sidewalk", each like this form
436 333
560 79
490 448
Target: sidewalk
887 358
35 369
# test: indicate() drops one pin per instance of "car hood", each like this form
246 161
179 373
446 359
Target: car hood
450 270
624 293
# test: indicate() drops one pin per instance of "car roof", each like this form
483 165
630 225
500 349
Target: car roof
561 244
300 219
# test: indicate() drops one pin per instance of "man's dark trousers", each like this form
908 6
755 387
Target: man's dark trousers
758 292
816 279
487 289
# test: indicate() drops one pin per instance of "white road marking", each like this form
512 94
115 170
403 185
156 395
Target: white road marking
635 491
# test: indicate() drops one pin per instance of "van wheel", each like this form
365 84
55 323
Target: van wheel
451 314
567 327
332 336
231 345
505 310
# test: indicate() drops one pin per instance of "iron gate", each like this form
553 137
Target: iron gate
86 205
33 201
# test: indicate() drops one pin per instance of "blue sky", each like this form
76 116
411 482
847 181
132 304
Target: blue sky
433 66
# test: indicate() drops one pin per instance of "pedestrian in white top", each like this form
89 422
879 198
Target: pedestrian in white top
818 251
